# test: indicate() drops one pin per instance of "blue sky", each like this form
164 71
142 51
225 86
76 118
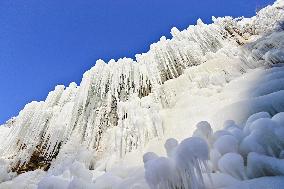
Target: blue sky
48 42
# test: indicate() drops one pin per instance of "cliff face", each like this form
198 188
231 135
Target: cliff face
115 109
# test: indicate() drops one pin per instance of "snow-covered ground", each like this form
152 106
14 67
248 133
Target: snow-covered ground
130 124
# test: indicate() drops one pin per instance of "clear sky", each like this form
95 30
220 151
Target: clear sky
48 42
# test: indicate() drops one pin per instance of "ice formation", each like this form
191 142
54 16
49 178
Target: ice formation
161 173
204 131
232 164
222 83
170 146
